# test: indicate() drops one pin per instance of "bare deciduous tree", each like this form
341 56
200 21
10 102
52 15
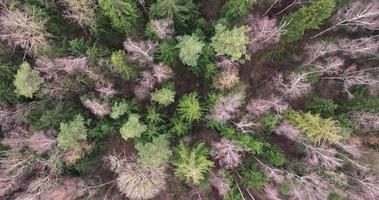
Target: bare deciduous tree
263 33
163 28
140 52
16 138
331 65
106 90
319 49
41 142
369 121
226 107
96 107
226 79
162 72
225 63
81 11
358 48
219 183
21 30
72 64
258 107
295 87
228 153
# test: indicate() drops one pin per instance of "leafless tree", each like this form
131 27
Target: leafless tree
357 15
226 107
140 52
96 107
247 124
16 138
258 107
217 181
162 72
81 11
264 32
163 28
361 47
225 63
366 120
319 49
226 79
72 64
10 117
323 157
42 142
288 130
47 68
295 87
19 29
106 90
331 65
271 192
228 153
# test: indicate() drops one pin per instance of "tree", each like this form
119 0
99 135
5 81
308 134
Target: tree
122 107
96 106
230 42
141 52
253 177
81 11
162 72
258 107
161 28
120 63
167 53
296 86
317 129
163 96
156 153
236 9
124 14
226 79
19 29
226 107
325 107
189 107
359 48
264 32
181 11
71 134
192 164
27 81
190 48
309 17
132 128
228 153
137 180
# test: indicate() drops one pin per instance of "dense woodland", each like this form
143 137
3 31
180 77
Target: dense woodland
189 100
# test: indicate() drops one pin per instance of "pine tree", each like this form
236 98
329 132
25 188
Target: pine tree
189 107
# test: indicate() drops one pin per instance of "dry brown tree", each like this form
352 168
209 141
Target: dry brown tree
218 181
226 107
319 49
141 52
81 11
136 180
359 48
98 108
294 87
162 72
19 29
264 32
228 153
257 107
357 15
226 79
163 28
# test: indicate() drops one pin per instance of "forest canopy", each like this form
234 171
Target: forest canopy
189 99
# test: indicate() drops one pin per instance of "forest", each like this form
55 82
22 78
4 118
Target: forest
189 99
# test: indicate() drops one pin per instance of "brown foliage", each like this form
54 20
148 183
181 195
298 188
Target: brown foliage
226 79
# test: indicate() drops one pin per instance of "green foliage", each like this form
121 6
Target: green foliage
325 107
168 53
153 116
121 64
72 133
237 9
230 42
132 128
27 81
163 96
284 188
317 129
270 122
79 46
190 48
7 87
309 17
49 114
97 51
122 107
124 14
253 177
274 156
192 165
250 144
334 196
189 107
155 153
181 11
363 101
179 127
